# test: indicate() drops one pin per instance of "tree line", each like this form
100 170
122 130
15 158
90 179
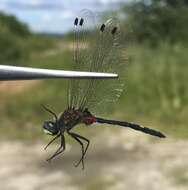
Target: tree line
12 39
154 21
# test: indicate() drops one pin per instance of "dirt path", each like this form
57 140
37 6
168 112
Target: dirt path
123 161
13 87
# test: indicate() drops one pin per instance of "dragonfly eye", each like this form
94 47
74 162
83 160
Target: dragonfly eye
114 30
50 128
102 27
76 21
81 21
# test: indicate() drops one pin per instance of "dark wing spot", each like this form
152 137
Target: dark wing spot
102 27
81 21
114 30
76 21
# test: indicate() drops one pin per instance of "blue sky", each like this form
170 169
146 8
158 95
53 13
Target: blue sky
54 16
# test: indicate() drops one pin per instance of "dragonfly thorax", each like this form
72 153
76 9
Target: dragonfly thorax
72 117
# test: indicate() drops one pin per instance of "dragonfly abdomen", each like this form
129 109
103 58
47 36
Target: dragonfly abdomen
131 125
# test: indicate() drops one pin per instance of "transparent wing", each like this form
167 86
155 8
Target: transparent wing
83 24
97 49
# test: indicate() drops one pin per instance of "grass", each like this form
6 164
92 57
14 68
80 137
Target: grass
156 93
179 176
157 86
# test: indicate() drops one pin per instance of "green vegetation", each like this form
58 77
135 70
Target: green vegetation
17 43
179 176
155 93
158 20
157 86
13 26
12 37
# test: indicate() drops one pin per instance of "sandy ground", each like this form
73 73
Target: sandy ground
115 161
13 87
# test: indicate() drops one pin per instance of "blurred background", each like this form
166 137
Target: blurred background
36 33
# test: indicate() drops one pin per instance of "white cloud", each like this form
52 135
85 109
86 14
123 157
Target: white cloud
35 2
67 14
110 1
46 17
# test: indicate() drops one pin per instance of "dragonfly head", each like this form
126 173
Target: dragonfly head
50 128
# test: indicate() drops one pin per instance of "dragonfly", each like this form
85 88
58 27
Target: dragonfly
96 48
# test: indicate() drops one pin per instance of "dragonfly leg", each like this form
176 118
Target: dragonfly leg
82 145
49 111
59 151
88 142
77 138
57 136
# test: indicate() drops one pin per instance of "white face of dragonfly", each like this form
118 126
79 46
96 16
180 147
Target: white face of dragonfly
50 128
47 132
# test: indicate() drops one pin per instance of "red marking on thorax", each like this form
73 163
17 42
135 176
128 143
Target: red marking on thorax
88 120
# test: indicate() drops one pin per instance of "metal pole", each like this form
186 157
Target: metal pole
28 73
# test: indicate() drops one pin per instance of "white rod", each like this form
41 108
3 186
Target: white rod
28 73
